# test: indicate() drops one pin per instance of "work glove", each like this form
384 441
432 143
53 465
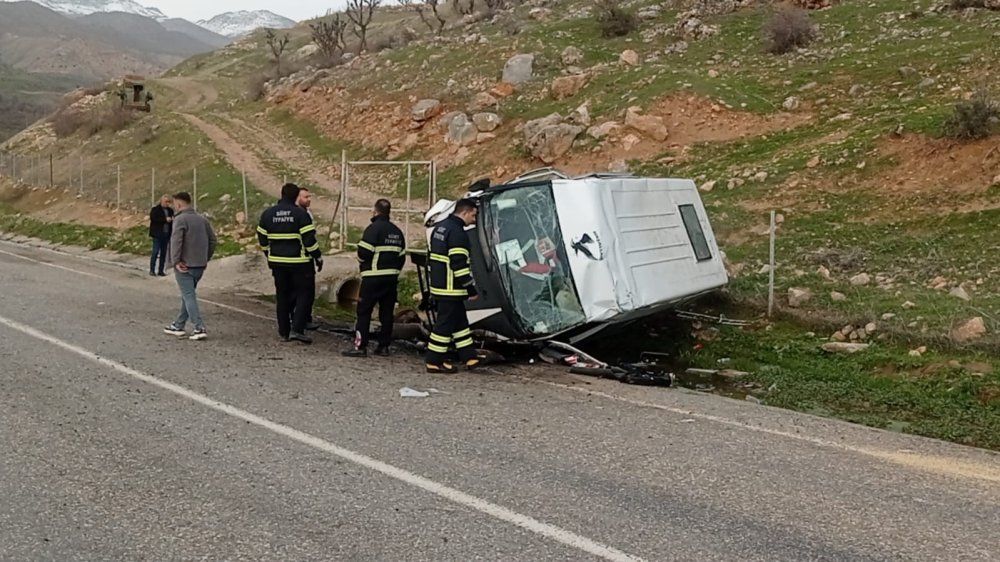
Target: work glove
319 265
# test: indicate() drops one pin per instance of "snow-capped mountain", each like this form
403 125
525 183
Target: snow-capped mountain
87 7
235 24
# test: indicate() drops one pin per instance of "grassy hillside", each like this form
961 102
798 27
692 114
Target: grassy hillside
886 214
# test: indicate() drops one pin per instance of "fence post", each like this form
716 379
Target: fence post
118 196
81 175
195 186
152 188
406 215
345 177
246 204
52 171
770 284
13 167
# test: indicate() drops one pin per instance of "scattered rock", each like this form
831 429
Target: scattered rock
960 293
809 86
484 137
838 336
552 141
791 103
425 109
856 90
918 352
764 270
539 13
649 12
926 83
713 73
888 316
907 71
823 272
813 162
708 186
618 166
225 198
571 56
861 279
798 297
580 116
908 305
871 328
481 101
567 86
533 127
970 330
838 297
649 125
630 141
487 122
760 177
461 131
629 57
844 348
598 132
519 69
241 218
502 90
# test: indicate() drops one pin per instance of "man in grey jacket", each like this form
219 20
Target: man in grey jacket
192 245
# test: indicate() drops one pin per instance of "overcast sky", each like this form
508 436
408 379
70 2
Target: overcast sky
195 10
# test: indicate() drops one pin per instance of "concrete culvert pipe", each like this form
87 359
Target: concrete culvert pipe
347 291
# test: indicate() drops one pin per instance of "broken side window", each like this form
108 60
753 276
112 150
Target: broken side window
695 233
526 242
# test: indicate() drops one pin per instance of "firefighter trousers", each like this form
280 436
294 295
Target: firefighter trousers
451 329
381 291
294 287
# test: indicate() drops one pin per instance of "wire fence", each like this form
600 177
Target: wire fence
227 197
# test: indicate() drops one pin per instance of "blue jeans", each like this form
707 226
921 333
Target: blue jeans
188 282
160 246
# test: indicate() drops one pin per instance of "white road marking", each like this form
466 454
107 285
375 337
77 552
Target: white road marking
957 468
528 523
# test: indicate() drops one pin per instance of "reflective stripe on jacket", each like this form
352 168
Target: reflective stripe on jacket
381 250
288 235
450 273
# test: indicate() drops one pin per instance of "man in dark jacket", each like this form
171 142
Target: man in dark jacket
160 219
381 253
288 237
451 284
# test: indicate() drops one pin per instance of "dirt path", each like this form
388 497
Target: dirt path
243 159
197 95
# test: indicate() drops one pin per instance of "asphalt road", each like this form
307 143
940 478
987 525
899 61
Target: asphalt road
120 443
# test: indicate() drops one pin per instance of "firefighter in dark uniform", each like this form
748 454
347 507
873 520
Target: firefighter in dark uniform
451 284
288 236
381 253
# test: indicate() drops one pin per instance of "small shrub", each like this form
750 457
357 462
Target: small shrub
789 29
94 90
257 86
966 4
66 122
116 119
145 135
614 20
976 118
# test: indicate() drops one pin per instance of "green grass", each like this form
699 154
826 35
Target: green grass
940 395
133 241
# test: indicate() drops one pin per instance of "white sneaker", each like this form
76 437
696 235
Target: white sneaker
199 335
172 330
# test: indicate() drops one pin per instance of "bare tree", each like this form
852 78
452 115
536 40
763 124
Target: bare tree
496 5
421 9
277 47
361 12
328 35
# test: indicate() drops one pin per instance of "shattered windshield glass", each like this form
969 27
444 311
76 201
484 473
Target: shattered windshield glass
527 244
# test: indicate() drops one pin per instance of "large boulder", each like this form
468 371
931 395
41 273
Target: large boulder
425 109
533 127
487 122
567 86
649 125
553 141
519 69
462 131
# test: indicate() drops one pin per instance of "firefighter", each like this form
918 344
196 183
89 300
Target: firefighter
288 236
381 253
451 284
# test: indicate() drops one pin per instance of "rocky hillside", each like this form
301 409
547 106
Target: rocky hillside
840 116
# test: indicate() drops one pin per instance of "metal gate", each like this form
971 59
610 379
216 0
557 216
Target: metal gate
347 204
